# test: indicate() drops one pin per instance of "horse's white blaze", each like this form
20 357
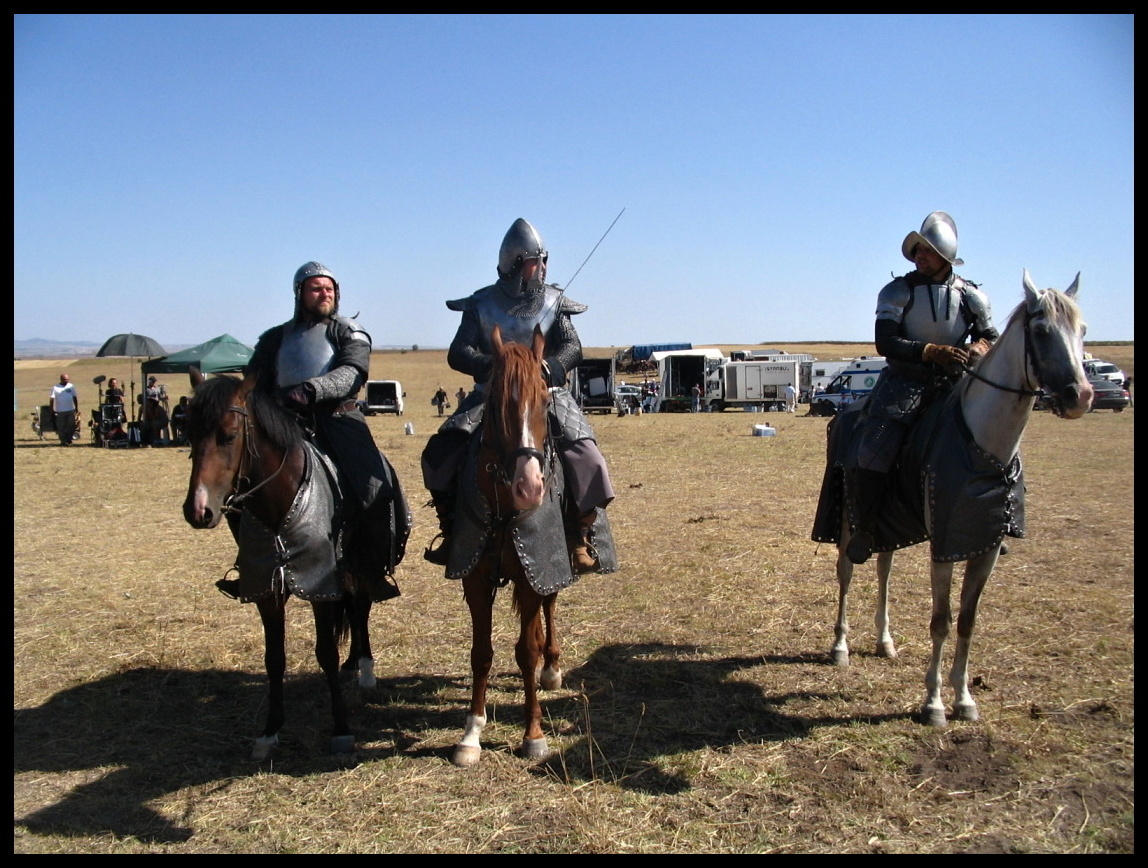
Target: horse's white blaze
528 486
200 500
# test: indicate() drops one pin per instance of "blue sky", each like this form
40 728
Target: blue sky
172 172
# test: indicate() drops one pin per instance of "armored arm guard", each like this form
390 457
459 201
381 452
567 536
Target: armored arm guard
888 338
563 350
466 354
351 364
980 314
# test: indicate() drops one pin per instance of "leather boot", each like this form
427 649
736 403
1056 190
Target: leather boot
866 487
580 541
443 502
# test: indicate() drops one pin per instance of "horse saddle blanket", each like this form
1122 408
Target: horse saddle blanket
944 488
301 556
538 535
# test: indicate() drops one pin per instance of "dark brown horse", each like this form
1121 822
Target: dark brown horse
517 476
249 457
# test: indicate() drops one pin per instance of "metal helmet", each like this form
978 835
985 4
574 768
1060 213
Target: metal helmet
313 269
521 242
940 233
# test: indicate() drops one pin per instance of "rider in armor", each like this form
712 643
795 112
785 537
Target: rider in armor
931 325
520 300
316 363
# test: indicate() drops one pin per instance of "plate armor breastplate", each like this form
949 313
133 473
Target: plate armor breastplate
517 317
934 315
305 352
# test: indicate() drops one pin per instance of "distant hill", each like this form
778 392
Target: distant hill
41 348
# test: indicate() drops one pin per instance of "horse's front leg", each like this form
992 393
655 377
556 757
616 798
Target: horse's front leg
271 612
977 572
528 653
479 591
550 678
327 618
885 645
840 650
933 711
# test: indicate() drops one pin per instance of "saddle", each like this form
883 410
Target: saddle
944 487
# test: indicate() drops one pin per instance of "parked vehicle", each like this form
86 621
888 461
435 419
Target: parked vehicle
1107 395
592 385
679 371
752 384
383 396
1106 370
855 381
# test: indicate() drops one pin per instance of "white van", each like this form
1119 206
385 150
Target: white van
1098 369
855 381
384 396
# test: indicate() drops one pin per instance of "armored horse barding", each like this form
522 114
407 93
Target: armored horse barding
251 464
959 482
509 530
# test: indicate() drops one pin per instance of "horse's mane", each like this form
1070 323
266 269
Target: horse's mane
1055 305
515 370
215 396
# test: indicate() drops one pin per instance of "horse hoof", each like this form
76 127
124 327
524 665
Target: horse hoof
887 650
465 755
342 744
264 745
934 717
550 679
966 711
841 658
535 748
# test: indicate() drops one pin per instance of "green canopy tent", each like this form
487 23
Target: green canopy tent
221 355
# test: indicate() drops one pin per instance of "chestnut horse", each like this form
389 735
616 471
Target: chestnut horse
518 480
249 457
1040 353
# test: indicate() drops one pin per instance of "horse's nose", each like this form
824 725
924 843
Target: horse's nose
1077 400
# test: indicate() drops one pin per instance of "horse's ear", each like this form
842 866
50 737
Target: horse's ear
496 338
538 346
196 376
1031 296
1071 291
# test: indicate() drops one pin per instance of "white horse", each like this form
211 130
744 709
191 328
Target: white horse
1040 353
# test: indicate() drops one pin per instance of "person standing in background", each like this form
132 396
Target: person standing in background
65 404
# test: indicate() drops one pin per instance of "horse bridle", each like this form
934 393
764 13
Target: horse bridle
1030 361
233 502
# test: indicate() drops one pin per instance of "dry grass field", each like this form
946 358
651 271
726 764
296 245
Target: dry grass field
701 713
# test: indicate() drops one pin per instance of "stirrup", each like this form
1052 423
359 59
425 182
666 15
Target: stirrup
229 588
440 556
592 563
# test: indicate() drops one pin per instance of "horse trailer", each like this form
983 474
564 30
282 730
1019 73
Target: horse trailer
592 385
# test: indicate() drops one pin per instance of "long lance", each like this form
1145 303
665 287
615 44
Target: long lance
600 240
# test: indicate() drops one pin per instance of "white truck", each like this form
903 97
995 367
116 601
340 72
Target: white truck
856 380
679 371
752 384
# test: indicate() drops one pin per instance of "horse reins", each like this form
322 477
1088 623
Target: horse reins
1030 361
233 502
